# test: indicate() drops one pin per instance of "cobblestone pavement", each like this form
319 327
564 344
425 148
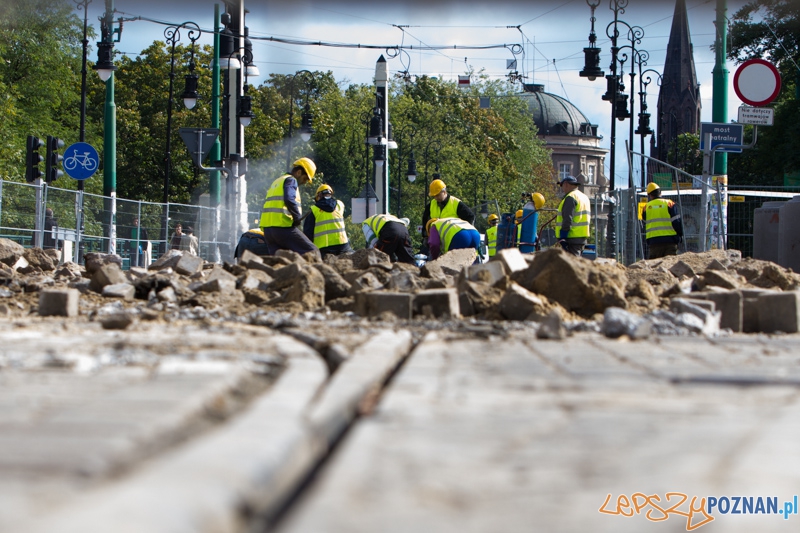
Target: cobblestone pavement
526 435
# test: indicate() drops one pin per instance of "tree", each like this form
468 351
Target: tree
775 37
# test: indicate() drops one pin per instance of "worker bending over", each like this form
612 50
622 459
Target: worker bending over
445 234
389 234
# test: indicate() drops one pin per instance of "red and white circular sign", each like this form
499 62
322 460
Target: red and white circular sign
757 82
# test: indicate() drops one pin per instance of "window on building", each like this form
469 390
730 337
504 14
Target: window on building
590 177
564 170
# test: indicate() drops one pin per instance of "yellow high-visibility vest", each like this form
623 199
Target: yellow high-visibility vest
658 220
447 228
580 216
329 227
376 222
450 208
274 213
491 240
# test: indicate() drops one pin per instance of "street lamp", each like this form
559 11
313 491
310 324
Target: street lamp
173 35
306 117
614 94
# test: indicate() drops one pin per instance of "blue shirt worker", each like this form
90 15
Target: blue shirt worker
662 224
389 234
324 226
572 221
445 234
281 215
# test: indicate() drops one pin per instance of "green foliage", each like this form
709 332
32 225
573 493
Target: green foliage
684 153
775 36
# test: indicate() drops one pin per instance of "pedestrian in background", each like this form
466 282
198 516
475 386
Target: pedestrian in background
190 243
175 240
50 222
572 221
139 242
281 214
662 224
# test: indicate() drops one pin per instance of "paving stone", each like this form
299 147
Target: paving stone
188 264
512 259
490 272
59 302
439 303
518 303
729 303
779 312
109 274
123 291
372 304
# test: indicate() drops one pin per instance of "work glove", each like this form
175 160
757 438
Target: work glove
563 244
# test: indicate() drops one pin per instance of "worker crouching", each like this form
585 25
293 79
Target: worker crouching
325 224
445 234
389 234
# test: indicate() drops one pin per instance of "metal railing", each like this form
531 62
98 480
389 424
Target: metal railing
93 223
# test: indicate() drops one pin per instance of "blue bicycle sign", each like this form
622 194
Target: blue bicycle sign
81 160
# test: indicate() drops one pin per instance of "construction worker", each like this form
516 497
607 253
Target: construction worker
281 214
491 234
389 234
442 205
518 222
573 217
662 224
325 224
445 234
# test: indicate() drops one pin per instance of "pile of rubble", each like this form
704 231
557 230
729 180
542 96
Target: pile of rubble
551 290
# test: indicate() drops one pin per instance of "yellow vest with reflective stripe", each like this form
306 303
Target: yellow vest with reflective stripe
450 208
580 216
447 228
329 227
491 240
376 222
274 213
659 221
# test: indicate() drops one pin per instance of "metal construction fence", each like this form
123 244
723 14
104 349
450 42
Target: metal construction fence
82 223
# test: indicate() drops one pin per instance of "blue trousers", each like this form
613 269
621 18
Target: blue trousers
466 238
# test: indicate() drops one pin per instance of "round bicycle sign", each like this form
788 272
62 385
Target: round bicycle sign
80 161
757 82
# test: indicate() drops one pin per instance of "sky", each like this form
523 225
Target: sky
552 35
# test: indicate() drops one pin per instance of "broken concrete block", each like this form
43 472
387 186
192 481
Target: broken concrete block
404 281
167 294
123 291
552 327
681 269
750 309
512 259
306 287
39 258
618 322
518 303
439 303
729 303
369 257
168 260
188 264
108 274
369 304
490 272
58 302
365 282
248 256
222 285
291 255
453 262
779 311
721 278
10 251
335 285
254 279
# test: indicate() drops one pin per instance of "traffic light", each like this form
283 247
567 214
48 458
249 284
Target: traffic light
32 159
53 159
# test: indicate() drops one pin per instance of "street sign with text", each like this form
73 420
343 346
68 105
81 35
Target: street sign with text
728 134
760 116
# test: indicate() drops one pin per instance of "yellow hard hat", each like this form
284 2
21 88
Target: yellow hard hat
428 225
538 200
308 165
652 186
519 213
491 218
436 187
324 187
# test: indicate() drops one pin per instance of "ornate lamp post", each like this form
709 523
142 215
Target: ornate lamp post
306 129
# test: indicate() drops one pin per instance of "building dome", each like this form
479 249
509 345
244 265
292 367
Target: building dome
554 115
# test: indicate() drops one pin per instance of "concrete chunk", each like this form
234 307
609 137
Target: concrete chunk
729 303
188 264
519 303
58 302
779 311
124 291
374 303
750 309
439 303
108 274
512 260
490 272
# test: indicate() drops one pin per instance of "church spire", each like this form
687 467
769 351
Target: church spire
679 97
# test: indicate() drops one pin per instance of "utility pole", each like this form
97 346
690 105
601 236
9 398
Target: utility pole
719 111
382 172
110 139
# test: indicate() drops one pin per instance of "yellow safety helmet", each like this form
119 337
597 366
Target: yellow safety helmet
652 186
519 214
308 165
538 200
428 225
436 187
491 218
324 187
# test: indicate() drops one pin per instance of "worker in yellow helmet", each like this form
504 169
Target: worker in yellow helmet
442 205
281 214
491 234
662 224
445 234
574 214
325 224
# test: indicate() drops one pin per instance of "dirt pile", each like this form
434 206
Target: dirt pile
543 287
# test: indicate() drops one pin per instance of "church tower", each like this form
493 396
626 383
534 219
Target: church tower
679 97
